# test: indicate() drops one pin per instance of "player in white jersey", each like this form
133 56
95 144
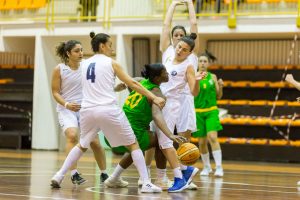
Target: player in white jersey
100 111
67 91
181 72
186 123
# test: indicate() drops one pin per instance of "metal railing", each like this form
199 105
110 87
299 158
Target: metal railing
107 11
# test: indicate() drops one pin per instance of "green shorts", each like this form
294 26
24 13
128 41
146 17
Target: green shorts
143 139
207 122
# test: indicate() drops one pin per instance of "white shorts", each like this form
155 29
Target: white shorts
68 119
111 120
170 113
187 115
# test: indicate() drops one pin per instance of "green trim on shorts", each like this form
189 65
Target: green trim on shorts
207 122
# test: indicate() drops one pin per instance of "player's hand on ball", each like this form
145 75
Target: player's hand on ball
178 139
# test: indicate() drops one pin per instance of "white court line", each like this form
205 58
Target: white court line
33 196
250 190
91 189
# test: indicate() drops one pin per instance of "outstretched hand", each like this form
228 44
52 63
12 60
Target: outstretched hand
178 139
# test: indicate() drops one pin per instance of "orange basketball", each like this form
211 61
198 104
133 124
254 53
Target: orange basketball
188 154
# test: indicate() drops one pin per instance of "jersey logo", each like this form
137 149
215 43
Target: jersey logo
173 73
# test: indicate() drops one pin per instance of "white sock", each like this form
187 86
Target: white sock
177 173
74 171
140 164
161 173
148 170
117 172
72 158
183 167
103 171
205 160
217 157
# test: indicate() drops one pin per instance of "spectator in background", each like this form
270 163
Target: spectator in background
89 9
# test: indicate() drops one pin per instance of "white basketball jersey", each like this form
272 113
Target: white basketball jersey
177 78
98 80
170 53
70 88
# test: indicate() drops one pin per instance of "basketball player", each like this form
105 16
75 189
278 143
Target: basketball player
67 91
99 110
140 112
207 114
186 122
181 72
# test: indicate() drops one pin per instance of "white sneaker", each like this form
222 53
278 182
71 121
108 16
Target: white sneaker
206 171
56 180
115 183
219 172
298 183
192 186
163 183
150 188
141 182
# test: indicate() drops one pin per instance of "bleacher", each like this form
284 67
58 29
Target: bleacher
250 131
16 89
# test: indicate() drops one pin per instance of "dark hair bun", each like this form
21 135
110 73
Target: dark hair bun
145 71
92 34
193 36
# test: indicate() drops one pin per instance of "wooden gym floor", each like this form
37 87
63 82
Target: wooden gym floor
26 175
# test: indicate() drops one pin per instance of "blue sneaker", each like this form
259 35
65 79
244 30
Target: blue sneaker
189 173
179 185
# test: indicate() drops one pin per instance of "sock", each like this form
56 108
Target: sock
74 171
140 164
183 167
217 157
71 159
117 172
161 173
148 170
205 160
103 171
177 173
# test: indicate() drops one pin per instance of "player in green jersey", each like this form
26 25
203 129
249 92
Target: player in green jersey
140 112
207 116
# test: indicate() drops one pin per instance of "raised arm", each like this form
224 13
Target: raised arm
134 85
55 86
290 79
165 39
193 24
160 121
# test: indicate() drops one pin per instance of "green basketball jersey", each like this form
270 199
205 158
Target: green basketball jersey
207 96
138 109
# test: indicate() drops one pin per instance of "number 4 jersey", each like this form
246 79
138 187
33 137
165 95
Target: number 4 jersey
98 81
138 109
